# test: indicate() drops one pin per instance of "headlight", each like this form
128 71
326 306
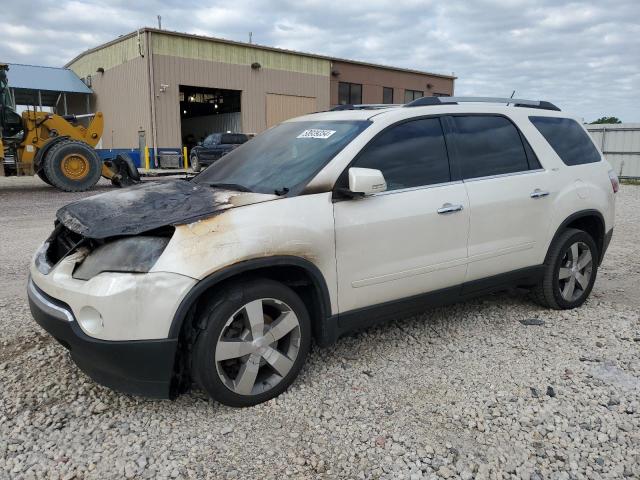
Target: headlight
131 254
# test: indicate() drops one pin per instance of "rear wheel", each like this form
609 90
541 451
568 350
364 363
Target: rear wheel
255 340
72 166
570 271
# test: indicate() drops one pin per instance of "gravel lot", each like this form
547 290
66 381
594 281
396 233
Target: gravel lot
466 391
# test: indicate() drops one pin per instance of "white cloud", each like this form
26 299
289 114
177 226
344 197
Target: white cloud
584 56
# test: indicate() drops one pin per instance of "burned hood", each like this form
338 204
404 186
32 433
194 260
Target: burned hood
148 206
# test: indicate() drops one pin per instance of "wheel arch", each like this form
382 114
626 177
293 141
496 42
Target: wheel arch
42 152
590 221
296 272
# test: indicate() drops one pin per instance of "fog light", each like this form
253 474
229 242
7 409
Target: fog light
90 320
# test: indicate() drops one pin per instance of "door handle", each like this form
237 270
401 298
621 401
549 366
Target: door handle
537 193
449 208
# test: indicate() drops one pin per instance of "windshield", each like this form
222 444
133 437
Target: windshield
284 158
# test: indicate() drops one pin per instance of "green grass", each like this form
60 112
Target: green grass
630 181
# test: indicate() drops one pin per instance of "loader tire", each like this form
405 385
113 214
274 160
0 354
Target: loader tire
43 176
72 166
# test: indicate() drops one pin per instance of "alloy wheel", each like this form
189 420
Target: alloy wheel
576 268
257 346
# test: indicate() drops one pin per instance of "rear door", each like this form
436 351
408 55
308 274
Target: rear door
412 238
509 194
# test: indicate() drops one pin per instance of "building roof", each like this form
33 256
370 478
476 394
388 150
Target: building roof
32 77
257 46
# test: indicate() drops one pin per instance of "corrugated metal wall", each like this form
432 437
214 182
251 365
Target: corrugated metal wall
254 84
283 107
201 49
108 57
121 93
620 144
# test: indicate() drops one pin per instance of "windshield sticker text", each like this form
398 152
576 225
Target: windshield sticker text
316 133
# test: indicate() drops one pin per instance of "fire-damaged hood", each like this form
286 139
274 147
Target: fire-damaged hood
149 206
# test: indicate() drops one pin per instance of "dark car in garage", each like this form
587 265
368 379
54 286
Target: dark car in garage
213 147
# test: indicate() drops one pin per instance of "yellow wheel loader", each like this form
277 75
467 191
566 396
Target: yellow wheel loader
57 148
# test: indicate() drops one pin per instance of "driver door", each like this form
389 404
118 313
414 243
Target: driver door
412 238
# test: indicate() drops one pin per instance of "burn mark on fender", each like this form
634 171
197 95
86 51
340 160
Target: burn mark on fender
149 206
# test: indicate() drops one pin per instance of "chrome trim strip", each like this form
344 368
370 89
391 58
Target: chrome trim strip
51 308
501 175
411 189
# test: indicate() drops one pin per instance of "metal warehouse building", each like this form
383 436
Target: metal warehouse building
158 88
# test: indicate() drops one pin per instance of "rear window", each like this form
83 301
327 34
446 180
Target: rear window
568 139
233 138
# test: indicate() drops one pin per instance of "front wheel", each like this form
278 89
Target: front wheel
72 166
255 340
570 271
195 163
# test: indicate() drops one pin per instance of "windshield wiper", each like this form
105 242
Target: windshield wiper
282 191
230 186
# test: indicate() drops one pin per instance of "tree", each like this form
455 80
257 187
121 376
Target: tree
606 120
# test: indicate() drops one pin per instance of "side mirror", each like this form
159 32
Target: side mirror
366 181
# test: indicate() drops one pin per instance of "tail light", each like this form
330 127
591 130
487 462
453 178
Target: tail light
615 183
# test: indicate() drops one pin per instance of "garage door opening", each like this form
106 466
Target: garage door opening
208 110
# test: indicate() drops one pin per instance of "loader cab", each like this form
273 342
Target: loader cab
11 126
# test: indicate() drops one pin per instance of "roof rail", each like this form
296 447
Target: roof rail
365 106
516 102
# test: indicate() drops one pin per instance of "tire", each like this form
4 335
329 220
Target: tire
195 163
248 374
556 292
72 166
43 176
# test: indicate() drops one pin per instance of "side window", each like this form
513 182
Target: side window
488 145
410 154
210 140
568 139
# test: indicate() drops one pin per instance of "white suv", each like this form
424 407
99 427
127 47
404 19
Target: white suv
325 223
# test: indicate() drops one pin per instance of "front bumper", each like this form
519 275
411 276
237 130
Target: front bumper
138 367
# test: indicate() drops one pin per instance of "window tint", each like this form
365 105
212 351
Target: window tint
488 145
387 95
534 163
409 155
568 139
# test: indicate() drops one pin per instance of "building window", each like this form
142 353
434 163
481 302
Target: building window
441 94
411 95
387 95
349 93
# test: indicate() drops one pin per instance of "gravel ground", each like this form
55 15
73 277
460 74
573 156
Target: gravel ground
466 391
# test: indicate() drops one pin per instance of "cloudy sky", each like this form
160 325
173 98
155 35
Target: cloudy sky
584 56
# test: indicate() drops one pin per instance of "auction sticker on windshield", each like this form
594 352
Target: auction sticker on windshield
316 133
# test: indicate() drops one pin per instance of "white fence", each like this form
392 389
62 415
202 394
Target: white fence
620 144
